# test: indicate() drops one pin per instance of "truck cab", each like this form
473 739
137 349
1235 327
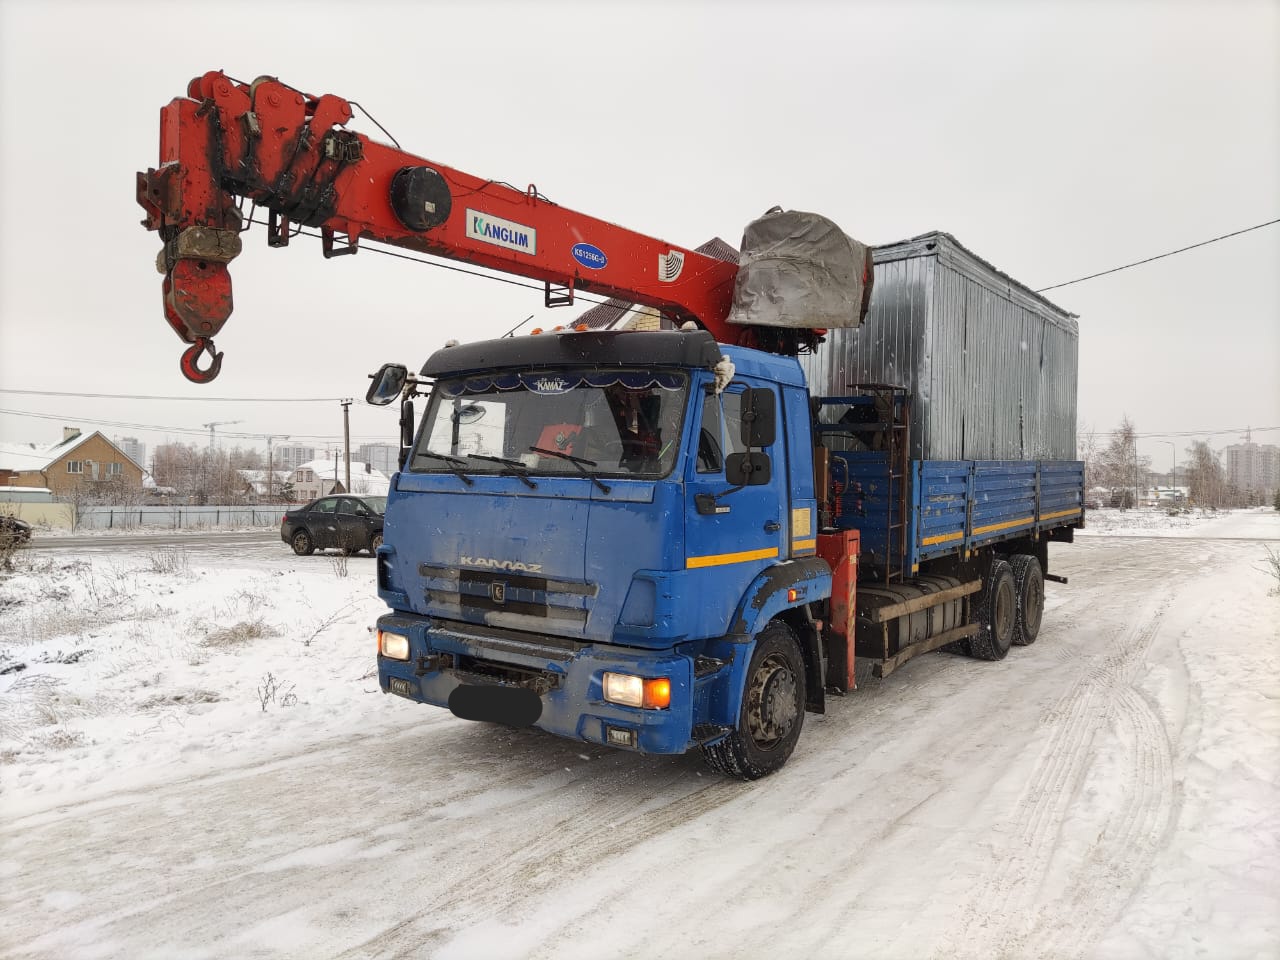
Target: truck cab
592 532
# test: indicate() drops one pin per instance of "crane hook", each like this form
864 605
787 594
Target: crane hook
191 355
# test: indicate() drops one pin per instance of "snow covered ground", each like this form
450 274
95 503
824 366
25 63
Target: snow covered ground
195 761
1172 522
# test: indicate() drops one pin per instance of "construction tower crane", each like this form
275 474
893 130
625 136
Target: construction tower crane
215 424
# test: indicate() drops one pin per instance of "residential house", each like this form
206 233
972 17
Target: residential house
320 478
80 464
620 313
261 486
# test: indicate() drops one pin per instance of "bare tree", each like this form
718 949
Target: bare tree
77 496
1120 469
1205 477
1087 445
200 475
250 459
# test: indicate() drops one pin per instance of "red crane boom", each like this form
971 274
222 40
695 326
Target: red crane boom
290 153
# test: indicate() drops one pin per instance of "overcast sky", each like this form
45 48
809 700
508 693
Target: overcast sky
1053 139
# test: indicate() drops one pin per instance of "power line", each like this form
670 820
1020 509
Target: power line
1181 433
588 299
333 437
1160 256
160 428
139 396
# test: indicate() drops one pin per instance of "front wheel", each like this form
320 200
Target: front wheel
772 713
374 543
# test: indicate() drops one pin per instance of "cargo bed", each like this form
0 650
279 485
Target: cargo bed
954 507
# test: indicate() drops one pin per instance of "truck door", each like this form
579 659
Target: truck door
730 535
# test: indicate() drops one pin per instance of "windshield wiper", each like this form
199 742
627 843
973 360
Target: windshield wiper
516 468
455 465
577 462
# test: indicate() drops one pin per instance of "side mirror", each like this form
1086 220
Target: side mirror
748 469
387 384
759 418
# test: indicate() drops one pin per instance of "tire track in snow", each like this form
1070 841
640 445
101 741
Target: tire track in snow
1125 848
871 812
601 826
605 826
1005 907
105 826
1123 853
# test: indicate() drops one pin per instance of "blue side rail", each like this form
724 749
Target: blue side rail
957 506
961 505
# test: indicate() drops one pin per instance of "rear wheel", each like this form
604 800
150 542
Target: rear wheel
772 713
996 615
302 544
1029 583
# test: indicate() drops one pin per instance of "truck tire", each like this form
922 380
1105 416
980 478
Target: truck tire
772 713
996 615
1028 580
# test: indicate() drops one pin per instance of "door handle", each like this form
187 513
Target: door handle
773 526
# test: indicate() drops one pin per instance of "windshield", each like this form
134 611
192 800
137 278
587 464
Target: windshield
619 422
376 504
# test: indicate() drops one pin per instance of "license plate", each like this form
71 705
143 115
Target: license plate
513 706
402 687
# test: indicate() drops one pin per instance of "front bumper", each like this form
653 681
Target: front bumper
567 676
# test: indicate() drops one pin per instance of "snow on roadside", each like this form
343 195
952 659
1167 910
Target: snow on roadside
1144 521
1181 522
116 666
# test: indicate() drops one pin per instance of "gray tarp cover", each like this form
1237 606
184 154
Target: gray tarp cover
799 269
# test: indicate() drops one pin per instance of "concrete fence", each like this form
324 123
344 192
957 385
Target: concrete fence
60 516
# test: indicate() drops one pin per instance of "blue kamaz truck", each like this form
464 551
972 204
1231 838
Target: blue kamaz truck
658 538
653 541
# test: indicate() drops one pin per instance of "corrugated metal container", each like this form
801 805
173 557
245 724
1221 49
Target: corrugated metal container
990 365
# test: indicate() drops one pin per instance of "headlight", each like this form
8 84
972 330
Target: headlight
630 691
393 646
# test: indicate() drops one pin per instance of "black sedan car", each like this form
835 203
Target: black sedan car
13 530
341 522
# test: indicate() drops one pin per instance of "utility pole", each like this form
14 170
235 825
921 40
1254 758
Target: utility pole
346 438
271 462
1173 471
